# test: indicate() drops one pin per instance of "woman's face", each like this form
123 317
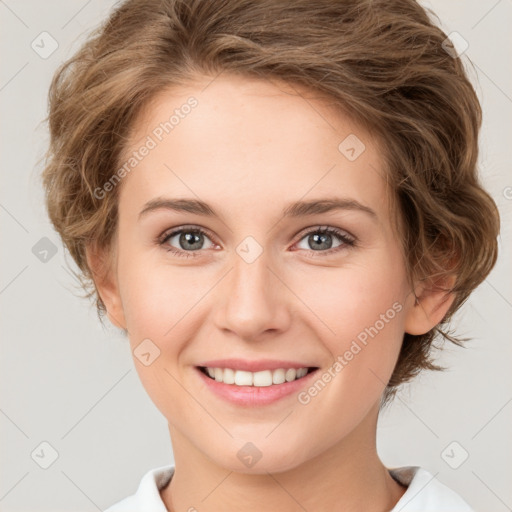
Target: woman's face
258 169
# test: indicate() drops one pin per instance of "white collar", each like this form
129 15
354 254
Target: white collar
424 492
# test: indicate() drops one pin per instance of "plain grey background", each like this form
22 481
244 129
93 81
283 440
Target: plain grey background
72 385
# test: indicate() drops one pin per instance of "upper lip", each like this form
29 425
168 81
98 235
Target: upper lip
254 366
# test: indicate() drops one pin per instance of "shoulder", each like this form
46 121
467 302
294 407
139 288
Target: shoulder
425 493
147 496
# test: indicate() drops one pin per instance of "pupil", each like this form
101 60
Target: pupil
320 237
188 238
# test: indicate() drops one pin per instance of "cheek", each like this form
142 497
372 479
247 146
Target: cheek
158 302
157 297
359 316
348 300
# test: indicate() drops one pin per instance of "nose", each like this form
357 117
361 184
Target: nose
252 300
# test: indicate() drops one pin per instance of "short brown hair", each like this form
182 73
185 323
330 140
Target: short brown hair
382 62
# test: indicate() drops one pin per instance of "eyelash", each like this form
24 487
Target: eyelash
347 240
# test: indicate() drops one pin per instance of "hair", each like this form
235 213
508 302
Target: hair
382 62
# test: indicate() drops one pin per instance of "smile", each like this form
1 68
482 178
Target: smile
257 379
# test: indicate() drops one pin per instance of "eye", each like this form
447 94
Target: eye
320 240
189 240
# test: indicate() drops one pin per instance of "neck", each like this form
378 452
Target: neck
347 477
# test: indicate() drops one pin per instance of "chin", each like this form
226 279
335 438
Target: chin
250 460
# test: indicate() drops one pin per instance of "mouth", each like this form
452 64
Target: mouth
250 383
263 378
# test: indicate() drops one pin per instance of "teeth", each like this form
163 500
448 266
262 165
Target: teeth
301 372
257 379
228 376
242 378
290 374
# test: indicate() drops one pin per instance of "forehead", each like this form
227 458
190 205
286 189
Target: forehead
241 141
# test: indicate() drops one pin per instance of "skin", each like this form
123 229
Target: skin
250 148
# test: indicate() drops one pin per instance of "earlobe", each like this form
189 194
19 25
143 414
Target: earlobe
106 284
428 306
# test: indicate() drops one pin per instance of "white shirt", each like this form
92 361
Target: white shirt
424 493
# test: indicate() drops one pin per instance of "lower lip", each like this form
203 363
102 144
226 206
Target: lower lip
255 395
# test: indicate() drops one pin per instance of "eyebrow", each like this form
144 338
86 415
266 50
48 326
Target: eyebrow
297 209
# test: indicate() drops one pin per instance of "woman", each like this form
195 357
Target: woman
278 203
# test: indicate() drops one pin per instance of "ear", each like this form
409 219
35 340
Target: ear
104 272
431 305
